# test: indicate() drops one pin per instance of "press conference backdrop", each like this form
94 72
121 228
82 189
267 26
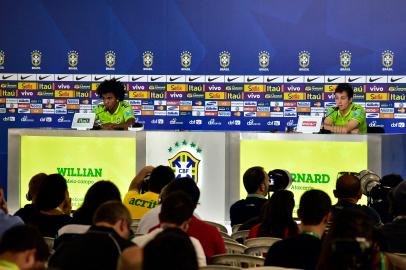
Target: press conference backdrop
200 65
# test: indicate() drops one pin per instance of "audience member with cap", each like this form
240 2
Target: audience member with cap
395 232
23 248
6 221
256 183
28 210
302 251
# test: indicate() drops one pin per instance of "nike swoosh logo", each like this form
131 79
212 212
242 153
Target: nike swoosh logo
373 80
353 79
6 77
212 79
391 79
61 78
232 79
25 77
156 78
43 77
173 79
193 79
272 79
119 78
291 79
332 79
98 78
252 79
312 79
79 78
137 78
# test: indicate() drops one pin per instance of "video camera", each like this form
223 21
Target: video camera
372 187
279 179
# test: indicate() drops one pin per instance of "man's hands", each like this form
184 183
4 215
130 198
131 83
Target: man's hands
136 183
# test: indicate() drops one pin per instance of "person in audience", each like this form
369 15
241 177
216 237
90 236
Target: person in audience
139 203
131 259
348 192
115 112
28 210
175 251
52 199
6 221
347 116
101 246
381 206
302 251
256 183
351 244
208 235
277 220
395 232
99 193
176 212
23 248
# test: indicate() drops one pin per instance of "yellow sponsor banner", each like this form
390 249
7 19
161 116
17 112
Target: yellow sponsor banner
185 108
139 94
94 86
377 96
176 87
309 167
263 114
81 165
224 103
330 88
27 86
64 93
36 110
254 88
147 113
73 106
386 115
294 96
214 95
303 109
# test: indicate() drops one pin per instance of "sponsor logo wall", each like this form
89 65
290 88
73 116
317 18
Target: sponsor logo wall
216 102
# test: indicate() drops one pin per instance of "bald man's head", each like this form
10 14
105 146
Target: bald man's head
348 186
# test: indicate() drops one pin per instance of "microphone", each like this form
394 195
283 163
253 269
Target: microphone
325 131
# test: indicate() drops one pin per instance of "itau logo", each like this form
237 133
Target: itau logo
148 60
304 61
387 60
2 59
36 58
110 60
186 60
225 59
345 61
185 159
263 60
73 60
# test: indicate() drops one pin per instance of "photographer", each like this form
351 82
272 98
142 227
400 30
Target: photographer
145 188
395 232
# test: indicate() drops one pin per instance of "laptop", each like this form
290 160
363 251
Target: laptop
309 124
83 121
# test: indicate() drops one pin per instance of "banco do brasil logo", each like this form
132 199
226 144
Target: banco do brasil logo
186 159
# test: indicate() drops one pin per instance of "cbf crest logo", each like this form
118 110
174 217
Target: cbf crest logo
2 59
110 60
263 60
345 61
387 60
185 60
186 159
36 57
304 60
225 59
73 60
147 60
